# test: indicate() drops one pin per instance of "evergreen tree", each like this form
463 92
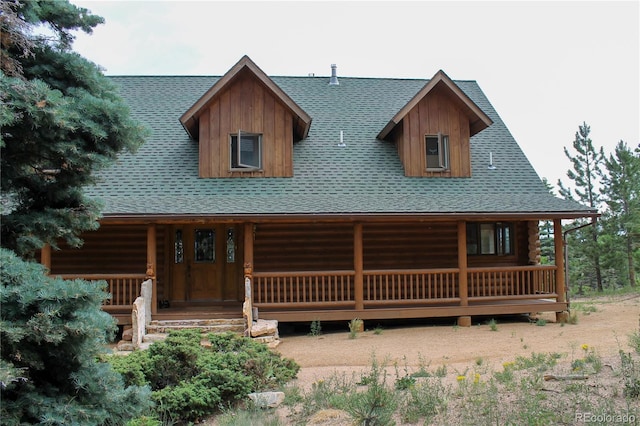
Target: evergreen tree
547 245
53 334
621 190
587 169
61 120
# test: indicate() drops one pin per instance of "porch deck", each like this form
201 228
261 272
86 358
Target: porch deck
479 308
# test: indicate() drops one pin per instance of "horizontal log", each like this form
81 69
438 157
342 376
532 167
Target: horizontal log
95 277
514 297
306 305
391 302
342 273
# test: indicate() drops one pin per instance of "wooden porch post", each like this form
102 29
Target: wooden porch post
152 264
358 266
559 254
462 263
463 321
248 246
247 305
45 256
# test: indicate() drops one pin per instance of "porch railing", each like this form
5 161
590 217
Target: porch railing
124 288
327 289
411 286
307 288
512 282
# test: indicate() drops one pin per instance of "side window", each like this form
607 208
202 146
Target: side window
246 151
437 151
490 238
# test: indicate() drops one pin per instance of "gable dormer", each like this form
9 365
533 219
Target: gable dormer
246 125
432 131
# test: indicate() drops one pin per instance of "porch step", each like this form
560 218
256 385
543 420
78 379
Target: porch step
217 325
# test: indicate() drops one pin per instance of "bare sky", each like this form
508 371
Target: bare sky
546 66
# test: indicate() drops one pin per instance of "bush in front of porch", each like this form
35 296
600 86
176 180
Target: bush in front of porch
192 378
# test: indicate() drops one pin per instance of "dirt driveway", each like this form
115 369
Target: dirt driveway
604 324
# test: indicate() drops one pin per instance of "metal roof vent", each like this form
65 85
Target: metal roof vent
333 81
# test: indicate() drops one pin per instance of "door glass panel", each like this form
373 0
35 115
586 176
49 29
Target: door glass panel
231 245
204 245
178 248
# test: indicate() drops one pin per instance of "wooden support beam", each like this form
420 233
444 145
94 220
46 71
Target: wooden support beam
558 244
45 256
358 266
462 263
152 263
248 261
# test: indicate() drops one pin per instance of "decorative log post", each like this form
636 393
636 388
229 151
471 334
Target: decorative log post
247 306
358 289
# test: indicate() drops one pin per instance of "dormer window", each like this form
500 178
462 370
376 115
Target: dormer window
437 151
246 151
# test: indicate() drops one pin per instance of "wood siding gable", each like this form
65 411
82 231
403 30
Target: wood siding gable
440 107
246 99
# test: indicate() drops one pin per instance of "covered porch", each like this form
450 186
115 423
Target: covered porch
340 270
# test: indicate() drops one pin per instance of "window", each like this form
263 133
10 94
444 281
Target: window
490 238
204 245
437 151
247 153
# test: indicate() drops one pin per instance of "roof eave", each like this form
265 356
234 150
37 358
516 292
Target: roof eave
189 119
479 122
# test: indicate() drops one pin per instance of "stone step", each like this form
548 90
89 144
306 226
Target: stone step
215 325
194 323
219 328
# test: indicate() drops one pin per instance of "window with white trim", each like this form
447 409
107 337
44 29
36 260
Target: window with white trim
490 238
245 151
437 151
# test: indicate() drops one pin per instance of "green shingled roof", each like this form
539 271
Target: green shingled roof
364 177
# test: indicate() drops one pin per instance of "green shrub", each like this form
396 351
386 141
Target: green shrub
377 404
316 328
190 380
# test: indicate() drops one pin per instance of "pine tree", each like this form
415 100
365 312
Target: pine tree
621 190
547 245
587 169
53 335
61 120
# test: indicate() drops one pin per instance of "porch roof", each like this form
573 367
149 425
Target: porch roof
363 177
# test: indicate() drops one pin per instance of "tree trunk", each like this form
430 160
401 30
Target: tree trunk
632 270
596 257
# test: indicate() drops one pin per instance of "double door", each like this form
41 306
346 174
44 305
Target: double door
206 264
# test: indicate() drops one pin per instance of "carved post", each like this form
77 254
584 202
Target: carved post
247 306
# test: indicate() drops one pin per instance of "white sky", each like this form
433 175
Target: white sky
545 66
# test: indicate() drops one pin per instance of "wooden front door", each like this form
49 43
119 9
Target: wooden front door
207 263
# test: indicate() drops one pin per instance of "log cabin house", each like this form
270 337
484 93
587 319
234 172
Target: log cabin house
336 198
